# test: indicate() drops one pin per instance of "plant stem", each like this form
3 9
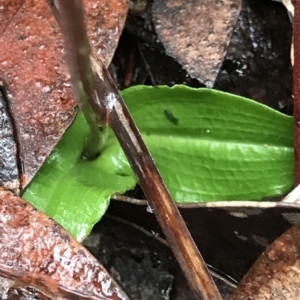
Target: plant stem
297 90
77 53
110 107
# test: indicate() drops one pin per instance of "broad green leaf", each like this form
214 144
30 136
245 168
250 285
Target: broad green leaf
208 145
72 191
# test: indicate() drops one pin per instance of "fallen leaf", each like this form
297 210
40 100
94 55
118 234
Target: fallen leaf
35 251
35 74
196 33
276 273
208 145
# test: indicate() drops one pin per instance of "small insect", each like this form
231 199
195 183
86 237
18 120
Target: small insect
170 116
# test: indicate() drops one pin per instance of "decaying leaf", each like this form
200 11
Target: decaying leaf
9 171
36 77
276 273
196 33
35 251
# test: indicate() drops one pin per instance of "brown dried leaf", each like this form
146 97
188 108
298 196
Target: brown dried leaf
276 273
35 251
35 74
196 33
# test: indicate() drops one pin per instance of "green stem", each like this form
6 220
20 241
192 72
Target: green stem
77 53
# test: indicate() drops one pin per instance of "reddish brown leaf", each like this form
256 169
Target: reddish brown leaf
36 77
105 23
37 252
8 8
196 33
276 273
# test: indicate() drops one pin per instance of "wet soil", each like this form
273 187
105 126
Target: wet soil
141 262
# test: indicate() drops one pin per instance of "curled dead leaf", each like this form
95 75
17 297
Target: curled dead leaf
36 251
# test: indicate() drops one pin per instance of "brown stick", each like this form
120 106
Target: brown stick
297 90
165 210
110 106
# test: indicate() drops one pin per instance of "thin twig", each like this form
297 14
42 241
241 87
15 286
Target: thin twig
148 69
110 107
297 90
130 67
129 199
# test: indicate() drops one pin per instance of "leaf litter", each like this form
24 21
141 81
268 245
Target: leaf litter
275 274
196 33
37 252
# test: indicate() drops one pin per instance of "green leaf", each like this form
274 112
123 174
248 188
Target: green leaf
208 145
75 192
